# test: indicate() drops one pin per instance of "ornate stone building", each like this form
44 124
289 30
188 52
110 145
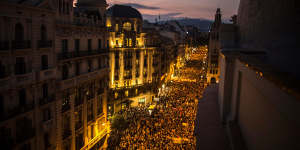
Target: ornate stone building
82 74
53 74
27 75
131 60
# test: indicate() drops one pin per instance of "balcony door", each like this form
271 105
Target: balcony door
19 32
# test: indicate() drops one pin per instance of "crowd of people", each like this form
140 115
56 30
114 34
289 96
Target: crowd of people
170 124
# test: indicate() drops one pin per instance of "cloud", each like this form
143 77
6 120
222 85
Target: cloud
140 6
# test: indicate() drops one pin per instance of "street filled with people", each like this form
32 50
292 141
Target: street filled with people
168 122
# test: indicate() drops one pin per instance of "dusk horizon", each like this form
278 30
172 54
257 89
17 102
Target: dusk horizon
175 9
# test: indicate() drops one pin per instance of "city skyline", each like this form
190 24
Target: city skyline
170 9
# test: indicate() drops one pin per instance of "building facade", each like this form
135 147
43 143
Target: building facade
54 74
28 76
258 89
213 69
64 70
131 60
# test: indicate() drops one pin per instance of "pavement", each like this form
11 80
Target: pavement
209 131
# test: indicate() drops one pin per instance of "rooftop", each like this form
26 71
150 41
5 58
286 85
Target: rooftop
123 11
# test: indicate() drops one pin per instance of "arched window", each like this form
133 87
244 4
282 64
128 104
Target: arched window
43 33
19 32
127 26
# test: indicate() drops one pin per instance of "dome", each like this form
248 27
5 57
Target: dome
123 11
92 3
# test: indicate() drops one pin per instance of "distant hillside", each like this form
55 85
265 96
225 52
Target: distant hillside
201 24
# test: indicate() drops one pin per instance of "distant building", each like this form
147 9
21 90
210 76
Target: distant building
213 68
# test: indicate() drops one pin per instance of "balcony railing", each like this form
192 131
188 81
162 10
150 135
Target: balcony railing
4 45
21 44
17 110
44 44
47 100
69 55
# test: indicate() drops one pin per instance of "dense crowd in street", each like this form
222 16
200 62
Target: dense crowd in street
170 125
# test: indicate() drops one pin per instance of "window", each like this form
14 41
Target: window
46 114
127 26
89 44
68 10
100 105
117 43
77 70
89 65
2 70
145 61
19 32
99 43
99 64
22 97
79 141
45 90
66 101
64 44
117 27
44 62
107 43
1 105
130 42
77 45
90 112
43 33
60 5
65 72
46 140
20 66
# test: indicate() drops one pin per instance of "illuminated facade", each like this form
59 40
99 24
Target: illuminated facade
131 61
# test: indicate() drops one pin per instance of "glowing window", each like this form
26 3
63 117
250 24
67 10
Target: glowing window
130 42
127 26
117 27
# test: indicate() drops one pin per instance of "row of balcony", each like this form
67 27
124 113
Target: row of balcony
24 44
76 54
21 109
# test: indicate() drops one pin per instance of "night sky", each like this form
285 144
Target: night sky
168 9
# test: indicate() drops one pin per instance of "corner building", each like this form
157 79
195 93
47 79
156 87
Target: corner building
54 73
131 61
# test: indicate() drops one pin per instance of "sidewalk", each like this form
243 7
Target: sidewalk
209 131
